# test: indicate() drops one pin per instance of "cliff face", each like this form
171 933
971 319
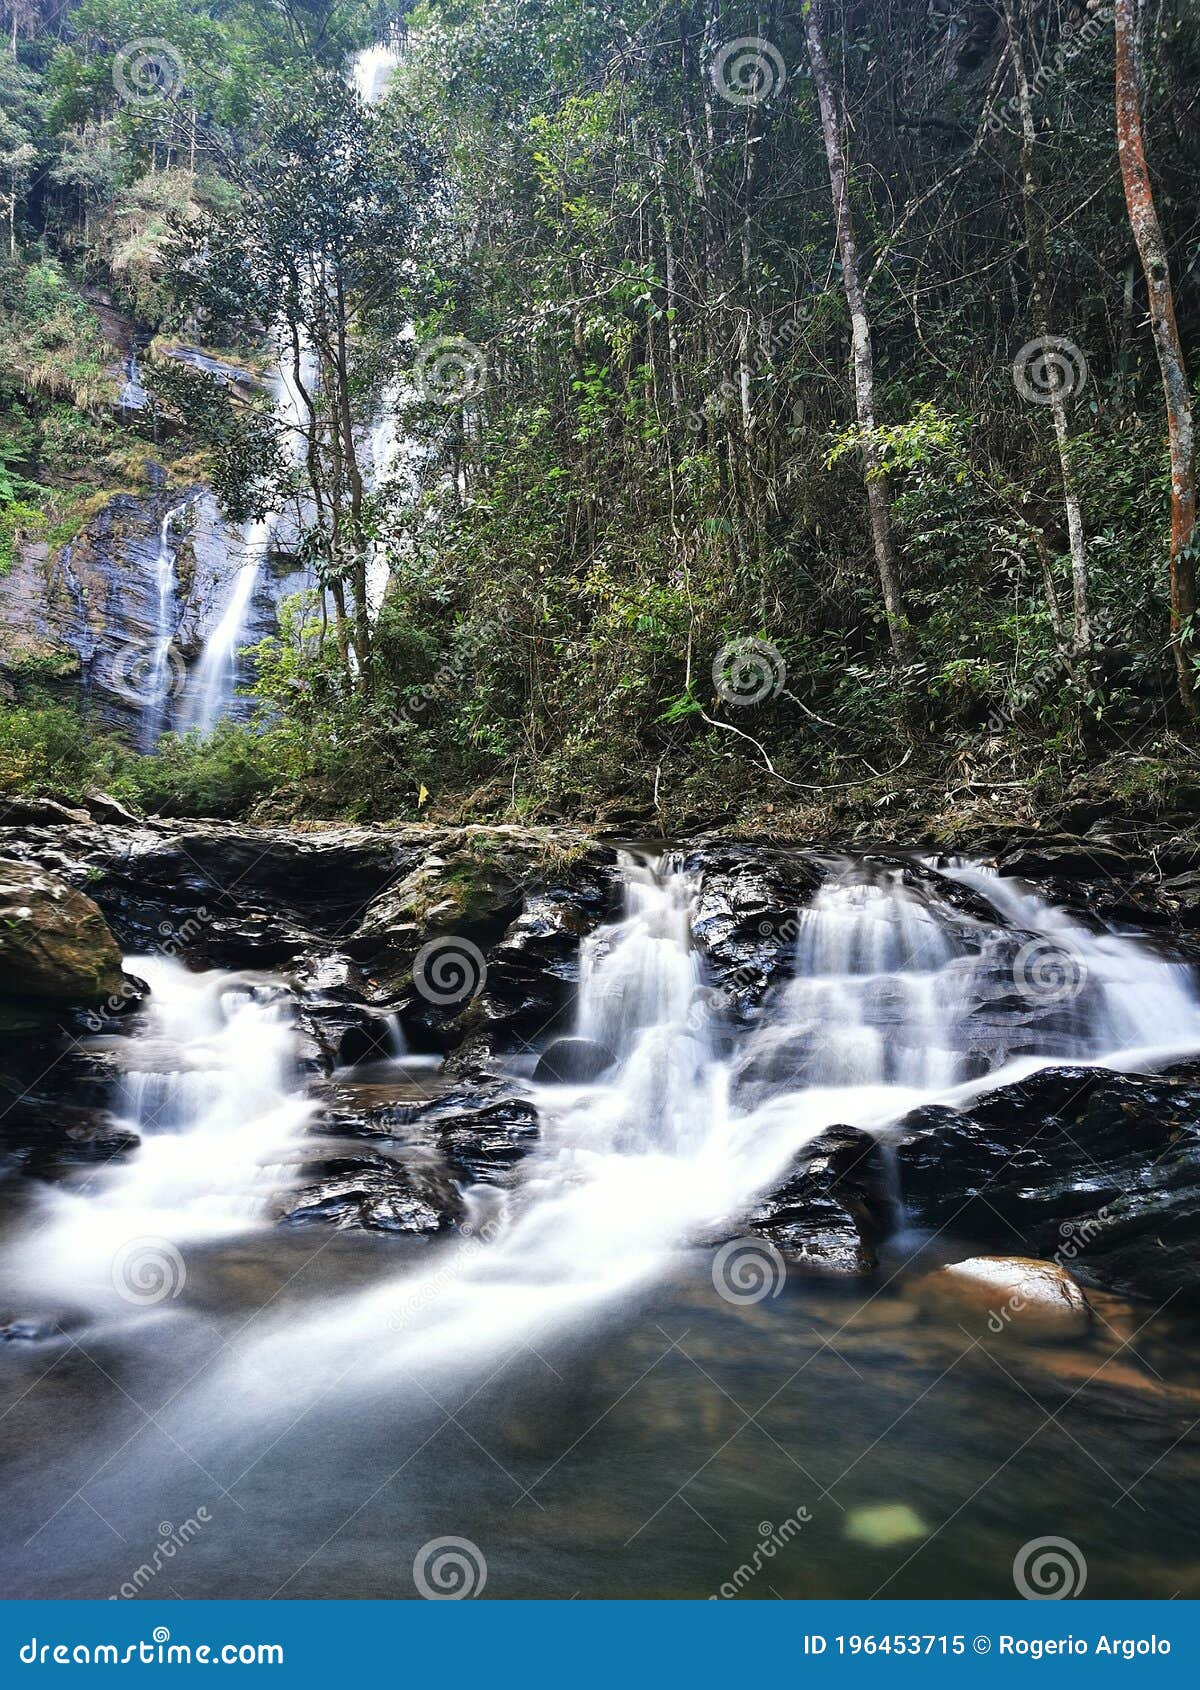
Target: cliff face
120 615
86 616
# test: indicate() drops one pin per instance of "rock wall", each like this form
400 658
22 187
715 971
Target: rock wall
87 613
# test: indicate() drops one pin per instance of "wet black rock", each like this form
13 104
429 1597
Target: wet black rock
1100 1170
374 1199
835 1208
746 921
573 1061
483 1145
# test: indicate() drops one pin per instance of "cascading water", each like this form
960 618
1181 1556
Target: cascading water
133 393
371 70
894 1002
214 682
213 1091
903 989
160 681
391 455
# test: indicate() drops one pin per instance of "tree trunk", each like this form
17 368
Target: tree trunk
1148 237
878 501
1056 391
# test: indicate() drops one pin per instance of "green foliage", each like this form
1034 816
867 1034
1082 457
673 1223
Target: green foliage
53 750
224 774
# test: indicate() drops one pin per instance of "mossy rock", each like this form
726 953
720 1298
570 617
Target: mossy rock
55 946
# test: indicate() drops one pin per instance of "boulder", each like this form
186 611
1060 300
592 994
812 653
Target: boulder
573 1062
1007 1296
746 921
1100 1170
40 812
55 948
834 1208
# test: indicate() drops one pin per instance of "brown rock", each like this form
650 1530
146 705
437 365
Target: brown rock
995 1297
55 946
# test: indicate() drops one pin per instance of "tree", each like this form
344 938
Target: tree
312 252
1152 250
1054 370
878 502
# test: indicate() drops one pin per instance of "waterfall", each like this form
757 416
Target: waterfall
371 69
160 681
901 991
893 1002
215 678
133 393
390 454
213 684
212 1089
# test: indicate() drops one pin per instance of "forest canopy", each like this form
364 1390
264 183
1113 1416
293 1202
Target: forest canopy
784 396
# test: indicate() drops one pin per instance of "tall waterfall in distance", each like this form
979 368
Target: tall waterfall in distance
371 69
160 680
390 453
214 681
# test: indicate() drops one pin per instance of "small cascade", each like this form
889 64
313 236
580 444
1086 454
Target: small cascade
213 1090
134 396
865 1003
1130 998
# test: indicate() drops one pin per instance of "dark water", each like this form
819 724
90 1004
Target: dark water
649 1455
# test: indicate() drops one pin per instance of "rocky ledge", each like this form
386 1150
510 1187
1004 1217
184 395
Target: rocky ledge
1094 1172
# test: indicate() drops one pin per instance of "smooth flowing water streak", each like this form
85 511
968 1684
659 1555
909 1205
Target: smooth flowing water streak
160 681
906 986
213 683
133 393
214 1092
391 455
898 997
214 679
371 68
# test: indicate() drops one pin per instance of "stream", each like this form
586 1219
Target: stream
571 1380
